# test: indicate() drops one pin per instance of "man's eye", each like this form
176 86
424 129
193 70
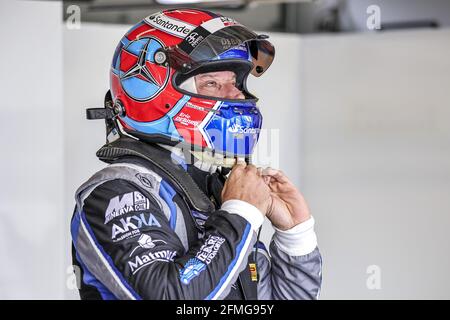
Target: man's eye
211 84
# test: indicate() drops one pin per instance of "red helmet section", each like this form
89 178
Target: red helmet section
166 97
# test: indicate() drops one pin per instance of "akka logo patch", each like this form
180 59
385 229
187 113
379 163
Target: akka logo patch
141 78
130 227
170 25
129 202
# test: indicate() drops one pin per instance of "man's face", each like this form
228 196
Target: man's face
220 84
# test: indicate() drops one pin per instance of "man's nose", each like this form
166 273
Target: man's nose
231 92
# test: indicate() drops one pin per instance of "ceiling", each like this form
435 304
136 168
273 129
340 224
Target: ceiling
294 16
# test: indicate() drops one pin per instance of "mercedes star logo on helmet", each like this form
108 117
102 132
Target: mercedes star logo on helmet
142 80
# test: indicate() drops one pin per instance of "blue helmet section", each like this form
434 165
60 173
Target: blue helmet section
232 128
235 128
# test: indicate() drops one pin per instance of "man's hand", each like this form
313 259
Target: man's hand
288 207
246 184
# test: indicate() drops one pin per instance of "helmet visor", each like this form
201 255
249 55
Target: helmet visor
198 49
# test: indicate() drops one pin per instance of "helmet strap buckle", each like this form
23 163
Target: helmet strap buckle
109 112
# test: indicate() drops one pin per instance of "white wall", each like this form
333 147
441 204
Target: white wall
376 160
32 166
87 58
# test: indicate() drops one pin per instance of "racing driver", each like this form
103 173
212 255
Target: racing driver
177 211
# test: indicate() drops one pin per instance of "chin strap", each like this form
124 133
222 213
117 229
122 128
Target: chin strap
214 159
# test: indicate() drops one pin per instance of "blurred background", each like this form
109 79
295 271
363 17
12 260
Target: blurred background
357 113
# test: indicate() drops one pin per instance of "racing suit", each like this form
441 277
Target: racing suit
140 232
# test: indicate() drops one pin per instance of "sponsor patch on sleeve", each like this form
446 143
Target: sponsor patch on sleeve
128 202
204 257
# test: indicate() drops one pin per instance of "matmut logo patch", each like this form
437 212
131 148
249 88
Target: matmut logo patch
170 25
129 202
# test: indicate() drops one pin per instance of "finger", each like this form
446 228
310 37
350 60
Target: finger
269 171
240 165
259 171
266 179
276 174
251 168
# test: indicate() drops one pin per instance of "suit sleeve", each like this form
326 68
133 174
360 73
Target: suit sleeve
126 239
293 269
